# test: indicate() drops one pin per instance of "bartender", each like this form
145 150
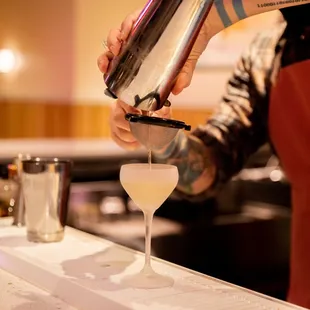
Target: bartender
267 99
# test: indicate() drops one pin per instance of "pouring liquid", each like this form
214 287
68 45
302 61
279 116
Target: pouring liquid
149 139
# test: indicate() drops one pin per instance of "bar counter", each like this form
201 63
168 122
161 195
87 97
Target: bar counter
85 272
17 294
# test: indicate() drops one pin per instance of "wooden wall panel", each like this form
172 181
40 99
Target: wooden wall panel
23 119
90 120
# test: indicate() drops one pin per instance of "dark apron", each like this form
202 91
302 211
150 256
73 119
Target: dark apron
289 124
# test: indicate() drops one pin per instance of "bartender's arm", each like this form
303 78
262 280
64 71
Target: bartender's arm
223 14
216 151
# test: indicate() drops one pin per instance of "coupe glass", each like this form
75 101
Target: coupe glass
148 186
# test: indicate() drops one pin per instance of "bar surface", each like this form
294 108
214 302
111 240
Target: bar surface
86 272
17 294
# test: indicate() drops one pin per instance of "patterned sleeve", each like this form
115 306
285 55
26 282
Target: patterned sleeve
238 127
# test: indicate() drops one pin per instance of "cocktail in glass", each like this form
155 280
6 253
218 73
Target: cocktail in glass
148 186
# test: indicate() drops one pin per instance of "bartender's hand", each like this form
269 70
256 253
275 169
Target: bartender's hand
117 36
119 126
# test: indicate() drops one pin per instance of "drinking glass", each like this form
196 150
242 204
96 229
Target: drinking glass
148 186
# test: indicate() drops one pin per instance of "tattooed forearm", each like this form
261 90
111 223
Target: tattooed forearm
194 162
225 13
280 4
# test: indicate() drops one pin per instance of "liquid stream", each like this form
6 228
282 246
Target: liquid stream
149 148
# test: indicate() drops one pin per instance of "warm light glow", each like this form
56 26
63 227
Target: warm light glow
8 61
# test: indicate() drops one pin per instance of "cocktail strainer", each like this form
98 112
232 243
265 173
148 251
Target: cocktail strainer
154 132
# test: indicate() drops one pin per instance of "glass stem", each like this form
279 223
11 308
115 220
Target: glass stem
148 218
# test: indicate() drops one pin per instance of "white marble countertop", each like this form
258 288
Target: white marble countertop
17 294
9 148
86 272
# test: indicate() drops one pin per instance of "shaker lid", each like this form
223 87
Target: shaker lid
157 121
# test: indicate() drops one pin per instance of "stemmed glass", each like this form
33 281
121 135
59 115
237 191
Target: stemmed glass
148 186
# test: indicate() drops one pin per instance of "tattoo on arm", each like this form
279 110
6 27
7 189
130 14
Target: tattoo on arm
239 9
274 5
222 12
194 162
224 9
230 12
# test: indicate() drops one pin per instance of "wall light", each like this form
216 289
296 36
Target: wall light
8 61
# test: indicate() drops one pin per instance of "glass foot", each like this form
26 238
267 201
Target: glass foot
151 280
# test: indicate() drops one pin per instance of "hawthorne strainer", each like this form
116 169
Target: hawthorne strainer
154 132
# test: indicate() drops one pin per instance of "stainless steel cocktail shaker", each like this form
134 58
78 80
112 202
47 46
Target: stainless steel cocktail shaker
144 72
46 189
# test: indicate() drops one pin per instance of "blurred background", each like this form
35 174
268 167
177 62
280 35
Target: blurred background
52 104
